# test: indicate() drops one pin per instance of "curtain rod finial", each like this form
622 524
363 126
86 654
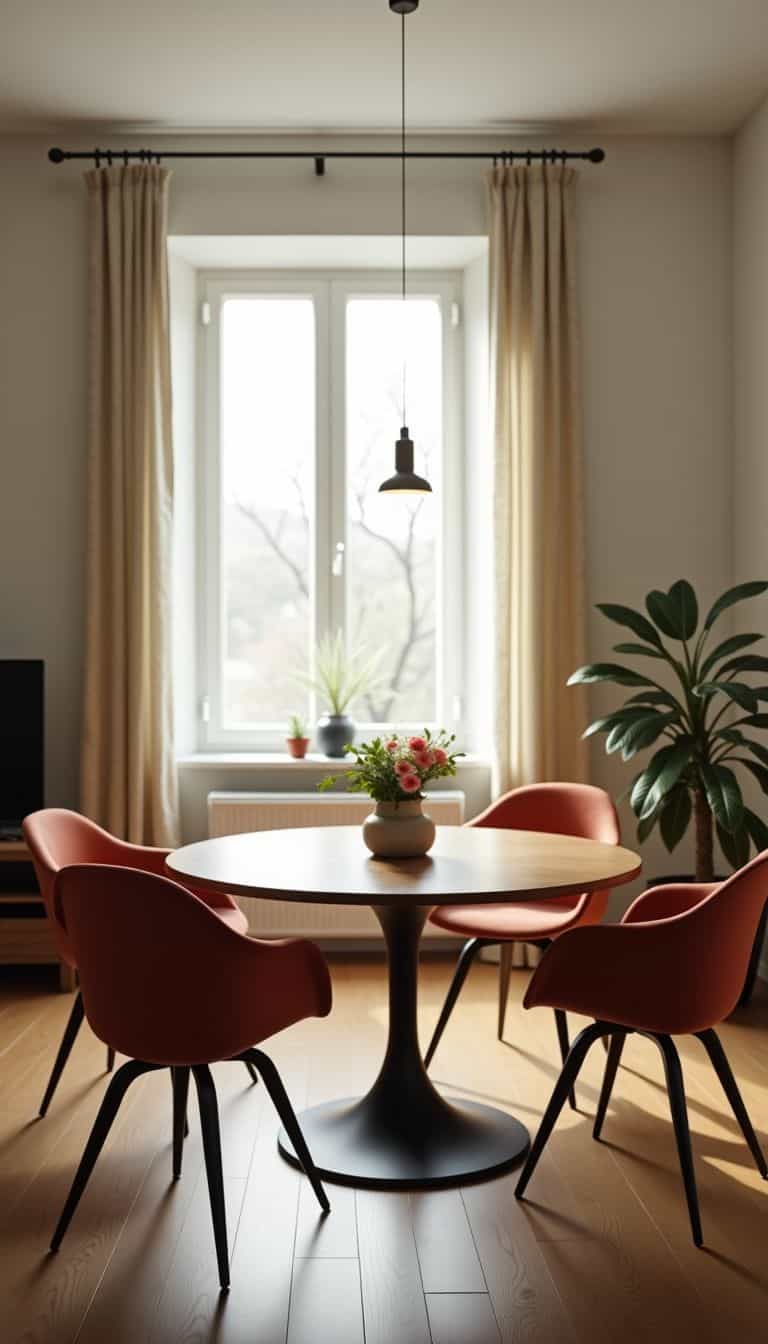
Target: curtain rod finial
596 155
56 155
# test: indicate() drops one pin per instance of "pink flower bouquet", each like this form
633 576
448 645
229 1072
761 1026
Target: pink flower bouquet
396 769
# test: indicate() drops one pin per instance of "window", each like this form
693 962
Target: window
302 386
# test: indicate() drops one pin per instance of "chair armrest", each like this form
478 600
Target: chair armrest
648 976
674 898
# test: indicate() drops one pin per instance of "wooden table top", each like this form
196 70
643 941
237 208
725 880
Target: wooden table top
467 865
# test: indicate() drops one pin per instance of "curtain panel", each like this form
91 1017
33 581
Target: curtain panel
538 505
128 777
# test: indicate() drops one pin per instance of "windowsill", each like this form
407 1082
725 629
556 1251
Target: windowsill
276 760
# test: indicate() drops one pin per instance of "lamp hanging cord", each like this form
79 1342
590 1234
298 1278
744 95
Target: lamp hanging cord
402 196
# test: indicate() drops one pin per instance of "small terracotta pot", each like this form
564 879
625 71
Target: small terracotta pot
297 747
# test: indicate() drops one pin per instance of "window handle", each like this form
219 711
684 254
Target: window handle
337 564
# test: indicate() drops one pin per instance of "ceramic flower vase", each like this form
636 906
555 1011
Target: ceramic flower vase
399 830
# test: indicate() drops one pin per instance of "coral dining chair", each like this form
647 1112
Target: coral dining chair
564 809
144 945
674 966
57 837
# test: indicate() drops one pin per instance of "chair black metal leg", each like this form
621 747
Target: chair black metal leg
561 1022
576 1056
253 1075
110 1059
113 1096
679 1110
67 1041
711 1042
615 1047
180 1081
209 1123
281 1102
505 971
466 957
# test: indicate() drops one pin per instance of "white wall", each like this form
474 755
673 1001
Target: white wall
655 276
750 356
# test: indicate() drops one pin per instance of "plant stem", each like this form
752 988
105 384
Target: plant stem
704 863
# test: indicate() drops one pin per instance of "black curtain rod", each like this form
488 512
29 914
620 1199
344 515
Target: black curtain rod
156 155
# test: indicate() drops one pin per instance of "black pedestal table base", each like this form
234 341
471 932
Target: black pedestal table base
403 1133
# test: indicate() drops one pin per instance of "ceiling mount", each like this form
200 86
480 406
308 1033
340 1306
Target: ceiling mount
403 6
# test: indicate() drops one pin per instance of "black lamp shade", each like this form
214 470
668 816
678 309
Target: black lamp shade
405 481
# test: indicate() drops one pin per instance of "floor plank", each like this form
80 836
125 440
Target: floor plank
325 1302
393 1294
462 1318
446 1250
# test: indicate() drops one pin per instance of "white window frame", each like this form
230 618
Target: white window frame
329 292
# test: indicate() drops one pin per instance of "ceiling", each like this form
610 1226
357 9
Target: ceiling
656 66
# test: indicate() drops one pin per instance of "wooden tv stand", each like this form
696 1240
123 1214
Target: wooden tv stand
27 940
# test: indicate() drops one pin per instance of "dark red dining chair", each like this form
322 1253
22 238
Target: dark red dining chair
171 986
562 809
675 965
56 838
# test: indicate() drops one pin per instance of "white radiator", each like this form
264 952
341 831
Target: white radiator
236 813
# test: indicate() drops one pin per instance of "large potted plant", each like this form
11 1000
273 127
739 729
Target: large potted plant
339 677
705 712
706 718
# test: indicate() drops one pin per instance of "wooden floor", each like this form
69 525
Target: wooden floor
601 1253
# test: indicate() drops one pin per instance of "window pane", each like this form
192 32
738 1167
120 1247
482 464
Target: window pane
392 558
267 465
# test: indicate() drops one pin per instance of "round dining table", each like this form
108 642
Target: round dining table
403 1133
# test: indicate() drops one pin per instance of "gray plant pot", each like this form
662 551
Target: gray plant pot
334 731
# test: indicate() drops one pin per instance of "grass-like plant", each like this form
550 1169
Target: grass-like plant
702 721
339 676
297 728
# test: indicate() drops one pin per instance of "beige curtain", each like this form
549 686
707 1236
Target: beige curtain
538 510
128 773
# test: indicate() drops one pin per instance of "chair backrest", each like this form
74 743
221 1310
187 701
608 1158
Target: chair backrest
716 938
562 809
57 837
162 977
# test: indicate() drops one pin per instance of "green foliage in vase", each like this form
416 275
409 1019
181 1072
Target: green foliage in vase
396 769
297 730
705 721
339 676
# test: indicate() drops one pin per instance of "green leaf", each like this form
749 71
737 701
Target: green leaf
672 767
734 735
735 847
634 620
642 650
662 614
748 662
724 796
756 748
737 691
757 830
754 721
655 698
682 601
760 772
624 676
645 826
723 650
675 816
644 733
641 787
627 714
733 595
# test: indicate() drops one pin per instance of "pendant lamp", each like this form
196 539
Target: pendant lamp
405 481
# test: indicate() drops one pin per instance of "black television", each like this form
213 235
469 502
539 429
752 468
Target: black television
21 740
